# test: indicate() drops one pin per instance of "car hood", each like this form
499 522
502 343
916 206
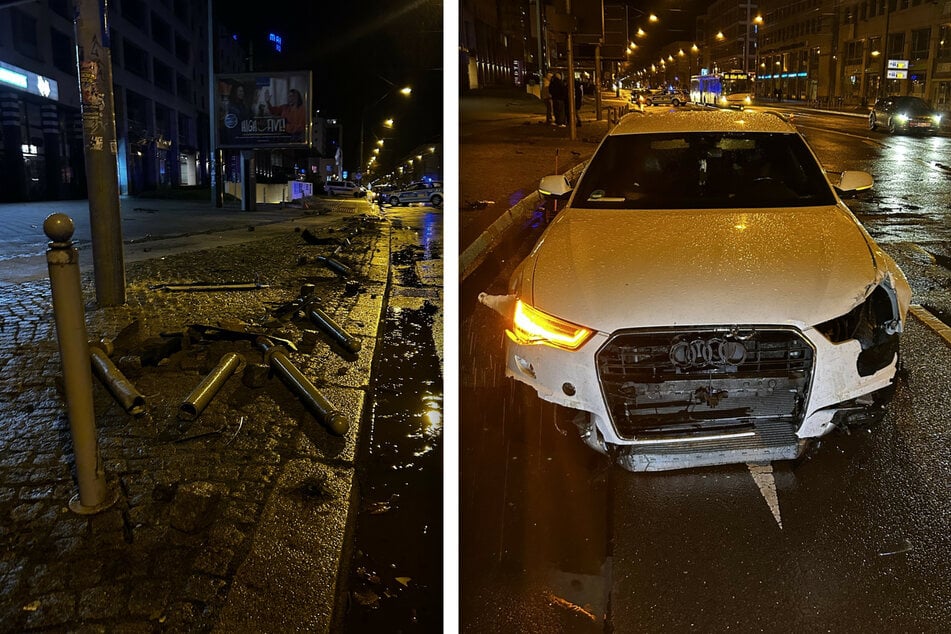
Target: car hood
612 269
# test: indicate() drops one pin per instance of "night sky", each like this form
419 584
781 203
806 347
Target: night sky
354 48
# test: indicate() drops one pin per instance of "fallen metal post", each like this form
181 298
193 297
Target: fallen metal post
118 385
63 261
335 265
329 326
195 403
320 407
193 287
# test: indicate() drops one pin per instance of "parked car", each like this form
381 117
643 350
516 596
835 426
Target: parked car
904 114
421 192
705 297
378 193
344 188
668 97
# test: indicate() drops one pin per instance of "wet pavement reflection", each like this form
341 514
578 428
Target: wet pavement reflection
395 581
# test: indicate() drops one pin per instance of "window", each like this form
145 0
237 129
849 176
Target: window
182 12
136 60
919 43
184 88
24 25
62 8
183 49
63 51
184 129
944 43
161 32
896 46
162 76
134 12
853 53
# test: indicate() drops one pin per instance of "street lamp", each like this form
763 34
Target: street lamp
406 91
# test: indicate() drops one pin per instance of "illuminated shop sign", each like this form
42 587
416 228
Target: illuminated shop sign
25 80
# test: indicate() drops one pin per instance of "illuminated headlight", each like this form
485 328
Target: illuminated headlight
748 100
901 118
723 101
937 119
532 327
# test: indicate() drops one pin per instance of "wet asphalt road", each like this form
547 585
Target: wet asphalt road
855 537
395 576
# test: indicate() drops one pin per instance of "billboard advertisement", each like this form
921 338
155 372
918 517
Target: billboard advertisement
259 110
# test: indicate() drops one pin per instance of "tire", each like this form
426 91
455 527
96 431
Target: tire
872 123
676 102
394 201
333 193
436 200
892 128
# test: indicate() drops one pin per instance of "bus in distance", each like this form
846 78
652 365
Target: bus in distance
733 89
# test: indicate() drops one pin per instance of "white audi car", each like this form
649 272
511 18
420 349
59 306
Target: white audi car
706 297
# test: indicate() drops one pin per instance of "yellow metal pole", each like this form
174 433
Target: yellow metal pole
63 261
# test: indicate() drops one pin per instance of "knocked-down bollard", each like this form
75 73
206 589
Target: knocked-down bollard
118 385
63 260
195 403
320 407
328 325
335 265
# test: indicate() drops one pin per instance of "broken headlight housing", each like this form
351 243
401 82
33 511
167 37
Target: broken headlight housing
875 324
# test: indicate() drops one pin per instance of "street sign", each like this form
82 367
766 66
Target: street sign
901 64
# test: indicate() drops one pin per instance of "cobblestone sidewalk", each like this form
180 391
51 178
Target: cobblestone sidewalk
233 522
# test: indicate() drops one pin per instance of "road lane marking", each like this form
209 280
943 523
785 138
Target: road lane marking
763 477
929 320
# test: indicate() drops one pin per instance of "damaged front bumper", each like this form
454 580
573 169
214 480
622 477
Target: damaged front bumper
833 391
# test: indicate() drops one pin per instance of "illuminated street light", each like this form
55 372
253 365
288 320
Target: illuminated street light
406 91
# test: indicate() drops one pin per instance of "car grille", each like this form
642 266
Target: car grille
688 385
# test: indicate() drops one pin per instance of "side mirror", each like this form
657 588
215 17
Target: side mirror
554 187
852 181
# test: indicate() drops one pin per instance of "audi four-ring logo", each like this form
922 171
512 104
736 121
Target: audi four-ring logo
713 351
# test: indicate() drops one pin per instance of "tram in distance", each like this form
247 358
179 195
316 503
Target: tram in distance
733 89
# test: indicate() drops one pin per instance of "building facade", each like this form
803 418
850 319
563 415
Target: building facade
836 52
160 85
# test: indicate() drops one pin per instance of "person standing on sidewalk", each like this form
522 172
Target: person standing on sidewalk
559 95
546 97
579 98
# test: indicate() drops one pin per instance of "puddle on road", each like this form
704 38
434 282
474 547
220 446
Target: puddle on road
395 579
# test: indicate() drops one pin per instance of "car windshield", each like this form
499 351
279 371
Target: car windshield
913 105
703 170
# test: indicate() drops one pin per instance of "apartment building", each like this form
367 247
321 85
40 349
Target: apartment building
160 75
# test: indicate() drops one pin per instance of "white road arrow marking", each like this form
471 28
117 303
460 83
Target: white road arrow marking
763 477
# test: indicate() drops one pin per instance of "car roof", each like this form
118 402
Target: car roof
701 119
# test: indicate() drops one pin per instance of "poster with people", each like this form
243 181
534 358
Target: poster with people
264 109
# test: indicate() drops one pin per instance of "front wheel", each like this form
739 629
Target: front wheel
394 201
676 102
872 124
892 128
436 200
